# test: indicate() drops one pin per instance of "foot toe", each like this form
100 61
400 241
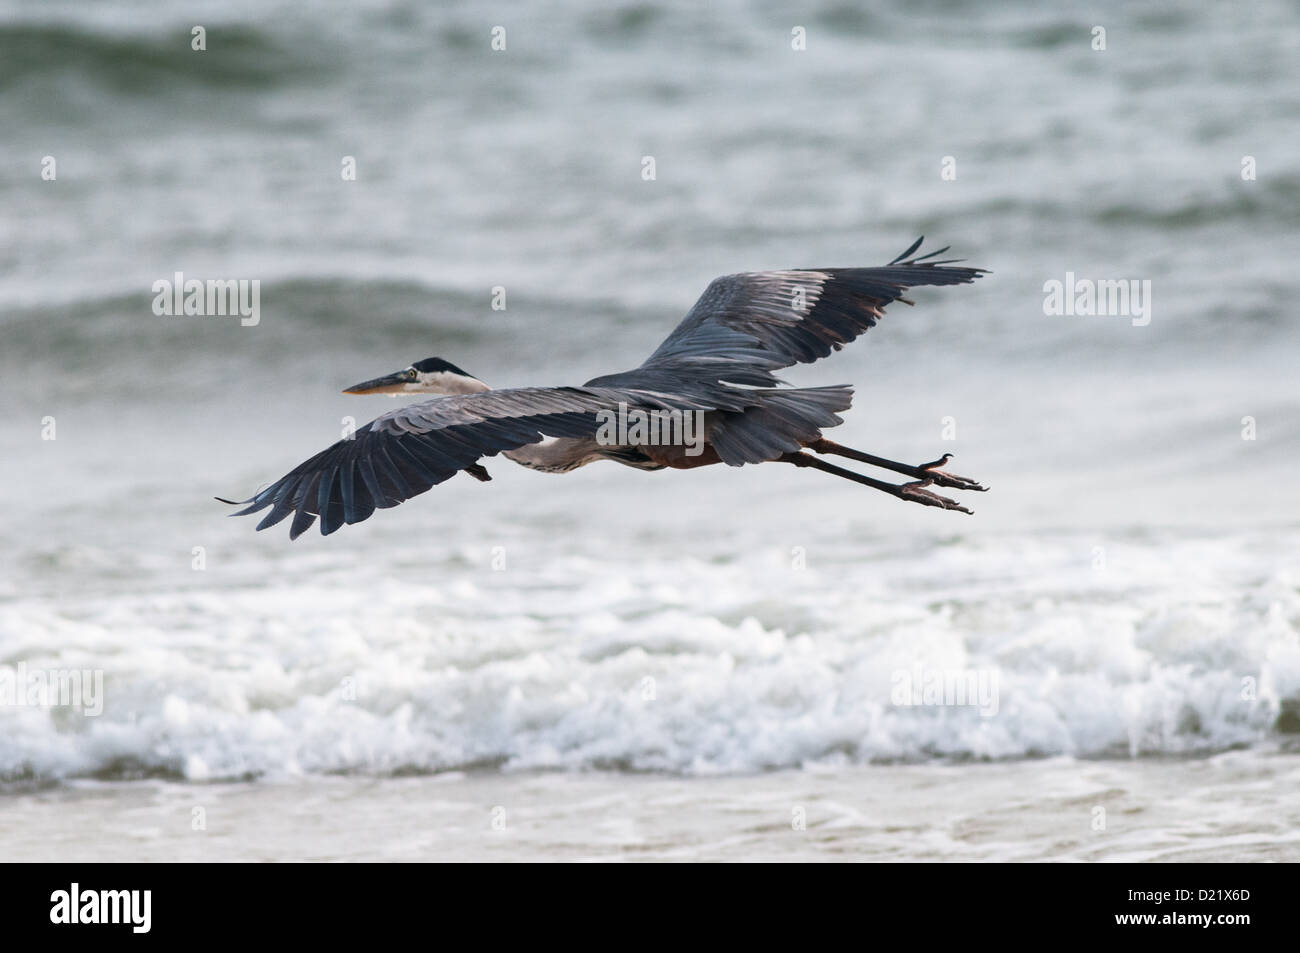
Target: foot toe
917 493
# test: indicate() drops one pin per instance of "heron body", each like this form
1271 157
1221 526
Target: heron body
565 454
717 365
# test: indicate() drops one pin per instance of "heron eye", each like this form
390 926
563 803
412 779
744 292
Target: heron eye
411 373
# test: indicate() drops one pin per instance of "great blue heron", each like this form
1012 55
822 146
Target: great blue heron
717 364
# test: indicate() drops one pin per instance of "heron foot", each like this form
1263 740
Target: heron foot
917 493
950 480
912 492
926 471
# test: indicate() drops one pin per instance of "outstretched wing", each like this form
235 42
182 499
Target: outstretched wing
405 452
746 325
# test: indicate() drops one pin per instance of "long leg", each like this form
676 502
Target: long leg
913 492
926 471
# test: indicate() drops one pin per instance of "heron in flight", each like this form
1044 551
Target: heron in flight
717 364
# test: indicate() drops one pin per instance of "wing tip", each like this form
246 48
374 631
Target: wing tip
910 249
928 260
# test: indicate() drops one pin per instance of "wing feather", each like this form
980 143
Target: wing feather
405 452
747 325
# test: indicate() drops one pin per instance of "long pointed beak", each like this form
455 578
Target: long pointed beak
388 384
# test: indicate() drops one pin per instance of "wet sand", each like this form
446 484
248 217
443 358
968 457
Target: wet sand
1238 806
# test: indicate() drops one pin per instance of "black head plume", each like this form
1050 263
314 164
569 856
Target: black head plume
433 364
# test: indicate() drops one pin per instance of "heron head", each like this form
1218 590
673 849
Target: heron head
433 375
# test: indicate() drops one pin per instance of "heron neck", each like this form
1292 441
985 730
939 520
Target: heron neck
454 384
554 456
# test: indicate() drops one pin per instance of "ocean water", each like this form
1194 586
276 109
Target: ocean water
1127 592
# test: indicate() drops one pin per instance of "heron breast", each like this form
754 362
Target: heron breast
677 457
